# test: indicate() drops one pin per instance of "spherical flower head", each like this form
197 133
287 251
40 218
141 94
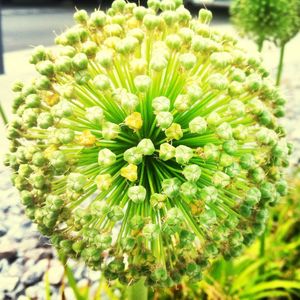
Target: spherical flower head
148 144
275 21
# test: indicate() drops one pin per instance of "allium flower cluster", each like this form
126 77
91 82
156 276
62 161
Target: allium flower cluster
148 144
274 20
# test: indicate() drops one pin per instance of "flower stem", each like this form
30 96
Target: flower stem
138 291
262 253
280 65
3 116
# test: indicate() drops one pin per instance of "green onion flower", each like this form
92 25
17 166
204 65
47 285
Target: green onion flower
147 143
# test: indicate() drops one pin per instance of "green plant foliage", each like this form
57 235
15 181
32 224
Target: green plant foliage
274 20
148 144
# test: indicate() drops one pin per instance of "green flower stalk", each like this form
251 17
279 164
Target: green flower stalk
277 21
148 144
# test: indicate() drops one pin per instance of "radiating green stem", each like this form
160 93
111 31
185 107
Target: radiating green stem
138 291
280 65
3 116
260 44
262 253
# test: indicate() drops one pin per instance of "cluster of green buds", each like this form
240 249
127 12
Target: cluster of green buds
274 20
149 143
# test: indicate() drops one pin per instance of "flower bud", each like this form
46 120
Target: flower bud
76 182
236 107
160 104
58 160
220 179
171 187
142 83
209 194
105 58
98 18
253 196
133 156
129 172
146 147
150 21
182 103
158 63
137 194
134 121
183 154
247 161
65 135
158 200
38 159
103 182
164 119
213 119
80 61
224 131
174 132
81 16
106 157
45 120
63 109
218 82
198 125
205 16
233 170
166 151
101 82
221 60
94 114
110 131
151 231
116 214
187 60
189 190
192 172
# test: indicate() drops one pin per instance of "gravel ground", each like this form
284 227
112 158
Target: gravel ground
25 255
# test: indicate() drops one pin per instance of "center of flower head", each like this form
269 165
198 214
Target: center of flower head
148 119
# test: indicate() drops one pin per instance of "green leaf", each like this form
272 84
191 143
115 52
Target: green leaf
268 294
275 284
47 287
73 284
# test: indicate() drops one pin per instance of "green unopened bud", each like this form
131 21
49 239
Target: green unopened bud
221 59
146 147
103 182
63 64
224 131
58 160
253 196
189 190
158 200
133 156
110 130
218 81
161 104
151 231
205 16
142 83
38 159
220 179
182 103
32 101
188 60
105 58
192 172
106 157
101 82
65 135
173 41
137 193
116 214
158 63
166 151
209 194
164 119
183 154
80 61
174 132
98 18
198 125
46 68
81 16
94 114
171 187
247 161
63 109
76 182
